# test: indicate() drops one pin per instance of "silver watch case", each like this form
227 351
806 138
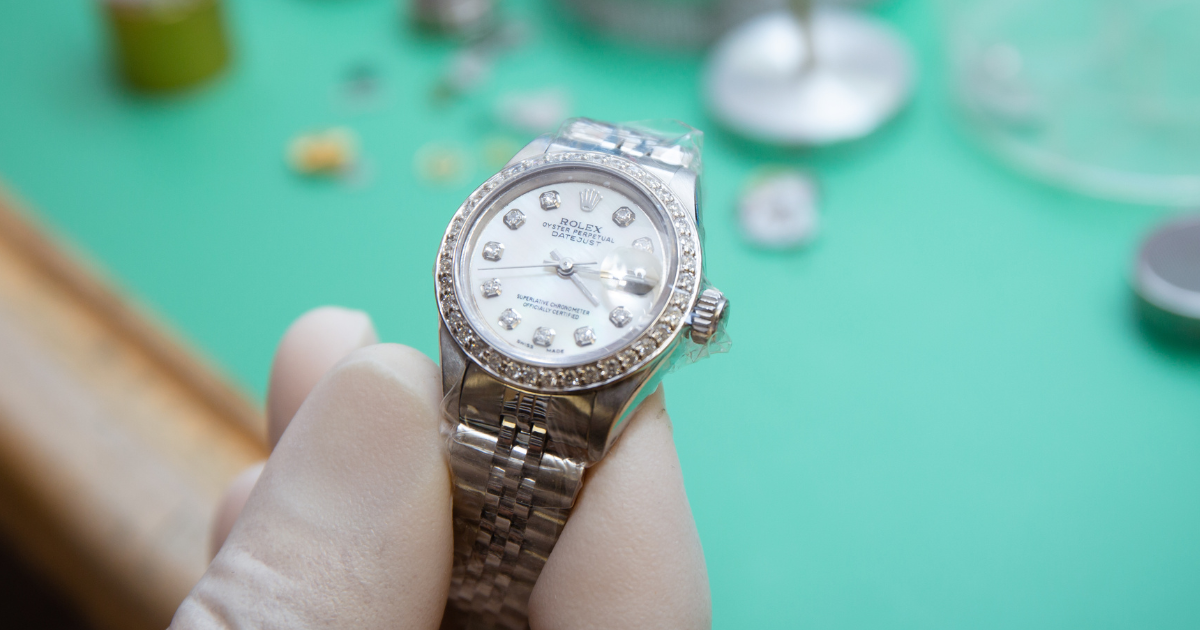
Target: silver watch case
636 360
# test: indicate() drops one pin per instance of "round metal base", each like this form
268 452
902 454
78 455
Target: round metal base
762 84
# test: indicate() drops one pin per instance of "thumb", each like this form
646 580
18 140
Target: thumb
349 525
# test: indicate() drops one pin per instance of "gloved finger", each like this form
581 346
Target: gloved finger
349 524
630 555
312 345
231 504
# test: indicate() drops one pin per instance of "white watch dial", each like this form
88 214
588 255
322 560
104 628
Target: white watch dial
566 266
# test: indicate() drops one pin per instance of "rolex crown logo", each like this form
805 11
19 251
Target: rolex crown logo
589 199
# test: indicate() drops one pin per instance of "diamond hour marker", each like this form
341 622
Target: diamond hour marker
493 251
620 316
550 200
585 336
514 219
509 319
491 288
543 336
623 216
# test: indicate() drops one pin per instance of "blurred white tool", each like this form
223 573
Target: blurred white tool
808 76
534 112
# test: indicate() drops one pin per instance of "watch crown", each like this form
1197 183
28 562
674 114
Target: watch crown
710 309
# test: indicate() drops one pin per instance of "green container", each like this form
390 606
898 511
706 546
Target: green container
165 45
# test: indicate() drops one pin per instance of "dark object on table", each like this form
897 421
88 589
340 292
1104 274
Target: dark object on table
165 45
1167 279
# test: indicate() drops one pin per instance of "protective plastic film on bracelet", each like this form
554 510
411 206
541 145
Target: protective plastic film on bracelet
512 495
655 142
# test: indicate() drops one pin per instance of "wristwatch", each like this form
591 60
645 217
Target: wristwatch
568 284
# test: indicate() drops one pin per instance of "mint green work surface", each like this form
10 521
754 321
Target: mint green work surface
941 415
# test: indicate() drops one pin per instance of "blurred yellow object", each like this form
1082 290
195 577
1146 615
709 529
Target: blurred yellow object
166 45
498 150
442 163
324 153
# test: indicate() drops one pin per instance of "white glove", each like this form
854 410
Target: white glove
349 523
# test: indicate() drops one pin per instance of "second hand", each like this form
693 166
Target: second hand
547 264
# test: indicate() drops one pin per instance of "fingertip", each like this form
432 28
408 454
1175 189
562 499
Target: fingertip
396 366
312 345
630 555
653 406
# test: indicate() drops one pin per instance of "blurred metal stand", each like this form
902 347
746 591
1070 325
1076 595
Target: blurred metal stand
666 23
808 76
453 17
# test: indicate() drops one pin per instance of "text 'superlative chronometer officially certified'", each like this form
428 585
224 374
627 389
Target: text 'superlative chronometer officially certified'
567 284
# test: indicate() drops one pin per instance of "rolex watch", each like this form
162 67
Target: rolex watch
567 284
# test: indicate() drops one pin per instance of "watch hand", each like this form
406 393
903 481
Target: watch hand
578 283
546 264
586 292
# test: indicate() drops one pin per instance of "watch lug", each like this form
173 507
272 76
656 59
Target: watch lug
685 185
533 149
615 402
454 364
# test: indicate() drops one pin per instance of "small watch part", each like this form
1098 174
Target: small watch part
585 336
543 336
550 200
493 251
711 308
491 288
509 319
780 211
623 216
514 219
589 199
644 244
620 317
325 153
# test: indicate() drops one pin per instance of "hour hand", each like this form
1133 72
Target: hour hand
578 282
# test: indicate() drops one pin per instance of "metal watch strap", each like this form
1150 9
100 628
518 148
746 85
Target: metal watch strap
513 490
666 153
518 458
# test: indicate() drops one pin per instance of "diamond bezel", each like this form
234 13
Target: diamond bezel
659 335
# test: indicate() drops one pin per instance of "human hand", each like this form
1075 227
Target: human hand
349 523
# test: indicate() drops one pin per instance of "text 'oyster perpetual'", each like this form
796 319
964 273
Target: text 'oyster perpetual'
568 284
